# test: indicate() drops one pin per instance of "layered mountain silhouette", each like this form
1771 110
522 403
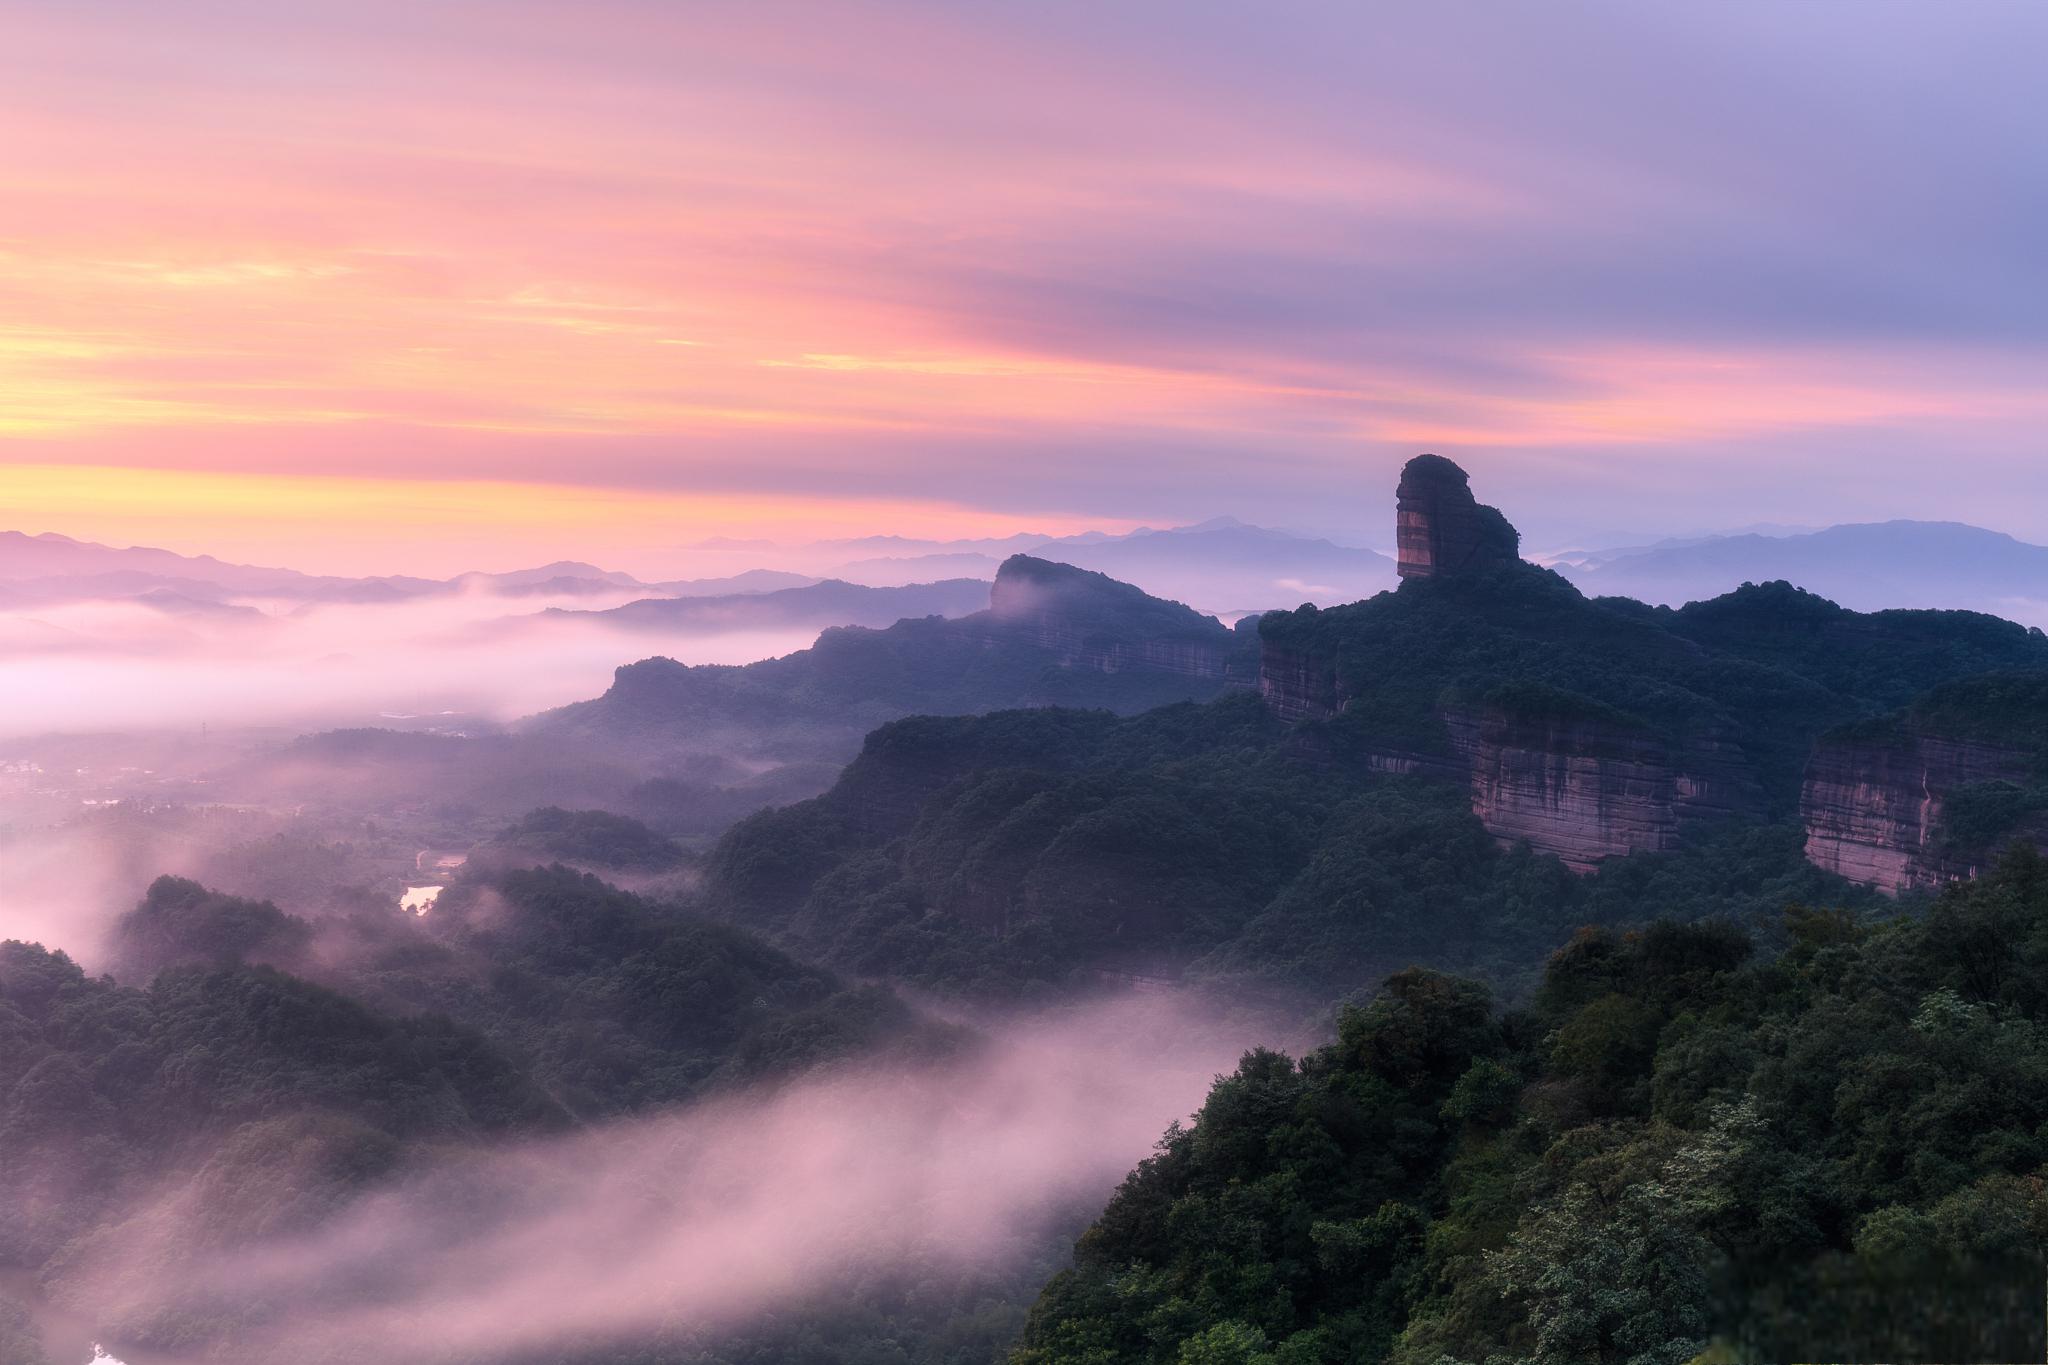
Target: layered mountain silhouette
813 606
50 568
1414 767
1222 565
1051 634
1866 567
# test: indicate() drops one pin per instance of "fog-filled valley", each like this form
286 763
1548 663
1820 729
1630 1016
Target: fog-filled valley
886 683
807 1001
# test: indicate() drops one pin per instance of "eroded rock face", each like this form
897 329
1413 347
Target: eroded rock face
1581 786
1586 789
1297 686
1582 789
1441 528
1874 810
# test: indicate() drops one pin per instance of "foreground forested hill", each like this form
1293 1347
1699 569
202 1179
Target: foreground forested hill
1681 1146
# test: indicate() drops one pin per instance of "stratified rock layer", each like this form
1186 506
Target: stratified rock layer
1874 810
1440 528
1297 686
1587 784
1581 789
1591 729
1587 789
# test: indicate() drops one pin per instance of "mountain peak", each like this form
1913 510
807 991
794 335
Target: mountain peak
1439 526
1027 587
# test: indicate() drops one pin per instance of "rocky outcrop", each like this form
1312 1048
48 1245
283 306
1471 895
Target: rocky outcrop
1875 808
1296 685
1579 788
1440 528
1566 774
1591 788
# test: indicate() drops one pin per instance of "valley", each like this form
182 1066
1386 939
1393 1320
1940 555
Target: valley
907 845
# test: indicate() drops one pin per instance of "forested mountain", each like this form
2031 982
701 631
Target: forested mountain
1418 780
607 1001
1038 850
1052 635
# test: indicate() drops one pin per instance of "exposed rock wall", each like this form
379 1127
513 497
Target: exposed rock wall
1873 811
1580 789
1587 789
1297 686
1440 528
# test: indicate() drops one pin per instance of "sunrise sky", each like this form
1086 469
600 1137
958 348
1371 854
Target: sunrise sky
430 285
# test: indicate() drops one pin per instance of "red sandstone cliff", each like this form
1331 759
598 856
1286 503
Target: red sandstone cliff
1587 789
1874 809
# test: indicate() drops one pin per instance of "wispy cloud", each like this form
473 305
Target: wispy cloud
1647 242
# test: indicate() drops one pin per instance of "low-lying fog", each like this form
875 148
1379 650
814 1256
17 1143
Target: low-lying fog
706 1216
127 665
136 742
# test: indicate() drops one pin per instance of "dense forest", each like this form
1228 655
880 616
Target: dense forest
1033 851
1679 1148
1766 668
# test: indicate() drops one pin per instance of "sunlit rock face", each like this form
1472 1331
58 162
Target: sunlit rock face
1440 528
1875 810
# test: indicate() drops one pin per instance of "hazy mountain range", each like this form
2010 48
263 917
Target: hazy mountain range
51 568
811 605
1223 566
1865 567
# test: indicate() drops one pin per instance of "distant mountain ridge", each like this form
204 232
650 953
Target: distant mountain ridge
1222 564
1048 634
51 568
814 605
1865 566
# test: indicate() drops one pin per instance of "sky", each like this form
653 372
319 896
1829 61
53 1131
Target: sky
387 285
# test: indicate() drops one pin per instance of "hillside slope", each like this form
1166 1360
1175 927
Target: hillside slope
1052 635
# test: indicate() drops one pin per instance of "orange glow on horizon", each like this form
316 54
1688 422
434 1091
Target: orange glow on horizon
445 526
878 261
